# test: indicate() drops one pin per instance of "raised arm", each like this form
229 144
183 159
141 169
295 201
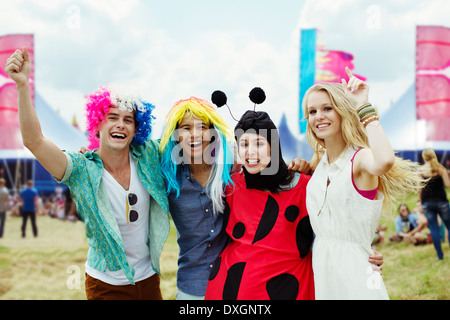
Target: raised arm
380 158
18 67
444 174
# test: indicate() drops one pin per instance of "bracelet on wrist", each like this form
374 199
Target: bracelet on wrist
367 104
365 112
369 120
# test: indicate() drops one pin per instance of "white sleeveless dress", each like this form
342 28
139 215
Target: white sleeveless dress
344 223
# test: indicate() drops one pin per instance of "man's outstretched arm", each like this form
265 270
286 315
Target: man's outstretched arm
18 67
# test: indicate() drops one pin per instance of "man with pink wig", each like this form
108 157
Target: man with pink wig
117 186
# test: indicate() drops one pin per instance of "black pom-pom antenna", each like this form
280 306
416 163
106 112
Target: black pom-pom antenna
219 98
257 95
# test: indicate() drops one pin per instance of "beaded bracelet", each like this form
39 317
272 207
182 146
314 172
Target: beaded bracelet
369 120
366 113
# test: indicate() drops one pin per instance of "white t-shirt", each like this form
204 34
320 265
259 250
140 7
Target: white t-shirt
134 233
4 199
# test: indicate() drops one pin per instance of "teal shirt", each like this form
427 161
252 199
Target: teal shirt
83 176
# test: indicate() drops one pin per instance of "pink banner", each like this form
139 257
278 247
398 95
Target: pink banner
433 72
438 129
330 66
9 120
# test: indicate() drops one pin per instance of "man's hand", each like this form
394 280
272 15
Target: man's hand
18 66
300 166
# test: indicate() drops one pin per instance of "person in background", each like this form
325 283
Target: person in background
4 204
409 227
30 204
434 198
379 235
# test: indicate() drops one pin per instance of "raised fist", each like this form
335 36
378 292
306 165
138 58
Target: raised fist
18 66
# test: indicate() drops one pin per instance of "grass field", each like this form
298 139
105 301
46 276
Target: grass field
51 266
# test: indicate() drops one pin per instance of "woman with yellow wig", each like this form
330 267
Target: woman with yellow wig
196 159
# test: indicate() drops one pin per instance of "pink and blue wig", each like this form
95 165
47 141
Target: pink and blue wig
223 148
98 105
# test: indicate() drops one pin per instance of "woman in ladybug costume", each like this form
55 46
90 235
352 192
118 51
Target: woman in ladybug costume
269 255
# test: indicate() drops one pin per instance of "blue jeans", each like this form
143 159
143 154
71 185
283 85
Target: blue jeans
431 211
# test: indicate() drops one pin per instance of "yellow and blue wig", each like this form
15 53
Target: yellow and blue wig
223 148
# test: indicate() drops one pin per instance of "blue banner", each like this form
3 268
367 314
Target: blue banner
307 68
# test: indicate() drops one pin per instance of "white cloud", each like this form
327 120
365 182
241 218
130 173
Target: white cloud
117 10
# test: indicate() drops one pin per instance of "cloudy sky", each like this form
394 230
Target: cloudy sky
173 49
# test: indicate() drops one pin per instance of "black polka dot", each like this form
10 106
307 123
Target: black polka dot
233 281
268 219
283 287
291 213
304 236
238 230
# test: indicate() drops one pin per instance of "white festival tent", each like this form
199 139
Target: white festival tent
407 134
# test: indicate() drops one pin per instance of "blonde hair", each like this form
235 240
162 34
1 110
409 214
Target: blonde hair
396 184
429 155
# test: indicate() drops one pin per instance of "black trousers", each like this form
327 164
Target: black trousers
32 215
2 222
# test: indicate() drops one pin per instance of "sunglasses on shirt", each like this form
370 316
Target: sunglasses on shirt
132 214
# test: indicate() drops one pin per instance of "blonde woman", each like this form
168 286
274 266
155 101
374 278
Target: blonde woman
433 196
356 176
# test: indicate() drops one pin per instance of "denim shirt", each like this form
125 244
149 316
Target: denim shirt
83 176
200 235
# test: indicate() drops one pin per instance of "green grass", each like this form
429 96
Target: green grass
414 272
51 266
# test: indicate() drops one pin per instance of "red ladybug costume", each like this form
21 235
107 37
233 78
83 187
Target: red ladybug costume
269 255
